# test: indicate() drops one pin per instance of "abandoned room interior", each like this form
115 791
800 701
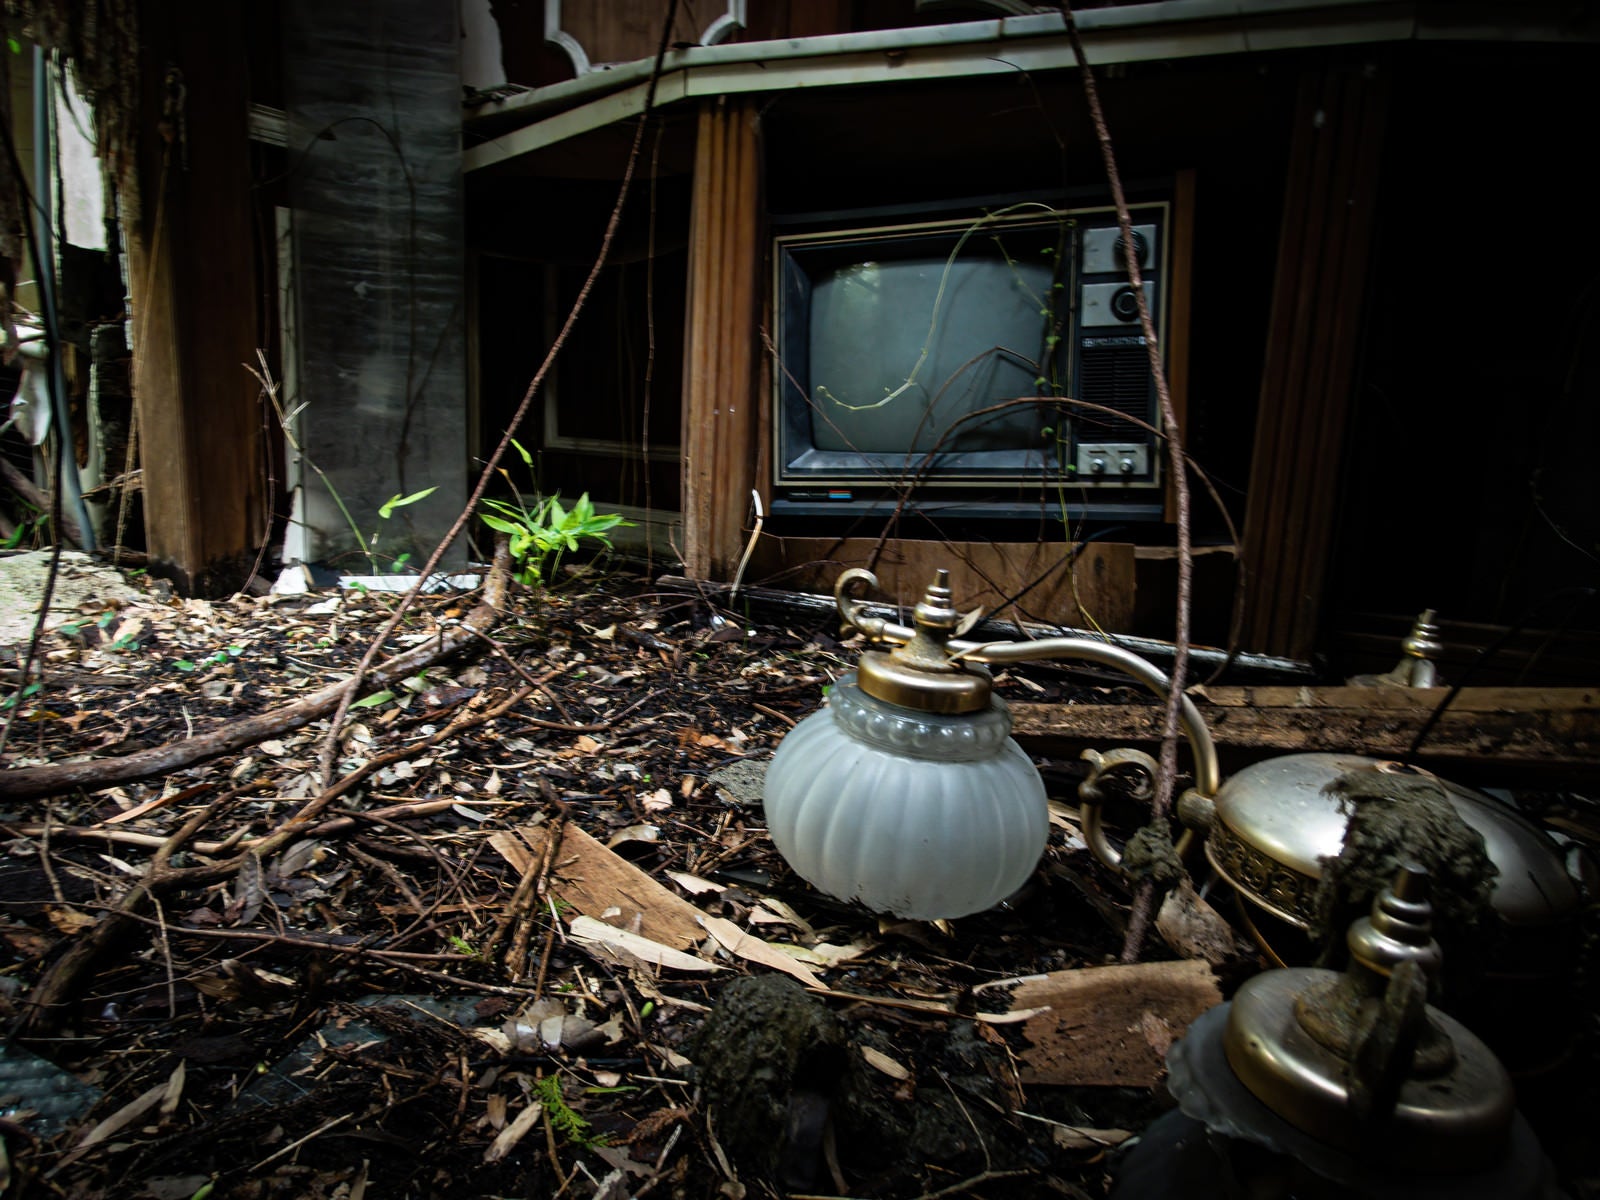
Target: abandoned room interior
894 598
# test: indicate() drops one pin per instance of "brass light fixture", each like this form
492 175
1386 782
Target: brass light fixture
907 793
1345 1084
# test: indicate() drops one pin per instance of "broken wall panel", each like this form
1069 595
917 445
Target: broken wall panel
373 93
185 212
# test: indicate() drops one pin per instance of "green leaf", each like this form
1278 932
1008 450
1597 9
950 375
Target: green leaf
500 523
399 501
527 458
374 700
183 664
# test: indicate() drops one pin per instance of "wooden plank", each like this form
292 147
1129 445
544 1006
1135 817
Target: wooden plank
719 382
1110 1026
593 880
1554 732
1098 589
1322 260
1412 700
192 280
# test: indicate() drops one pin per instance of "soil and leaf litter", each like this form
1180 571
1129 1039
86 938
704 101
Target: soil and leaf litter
534 941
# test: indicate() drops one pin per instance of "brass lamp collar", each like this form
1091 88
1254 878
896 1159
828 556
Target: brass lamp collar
921 673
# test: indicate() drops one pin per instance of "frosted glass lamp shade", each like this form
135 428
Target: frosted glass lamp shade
910 813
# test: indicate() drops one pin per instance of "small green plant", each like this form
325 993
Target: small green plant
29 527
462 946
571 1126
370 547
32 689
542 534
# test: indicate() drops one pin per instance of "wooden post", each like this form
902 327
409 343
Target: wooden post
720 397
1311 349
192 276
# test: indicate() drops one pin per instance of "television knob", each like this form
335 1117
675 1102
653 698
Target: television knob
1127 466
1141 247
1125 305
1097 466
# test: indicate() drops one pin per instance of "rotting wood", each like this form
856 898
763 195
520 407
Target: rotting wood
1110 1026
591 880
195 313
28 783
1554 729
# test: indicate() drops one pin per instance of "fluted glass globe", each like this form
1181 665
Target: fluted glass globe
911 813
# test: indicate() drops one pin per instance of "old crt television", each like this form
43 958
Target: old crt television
904 348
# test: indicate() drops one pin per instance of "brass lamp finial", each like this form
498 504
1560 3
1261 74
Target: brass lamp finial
920 674
1359 1060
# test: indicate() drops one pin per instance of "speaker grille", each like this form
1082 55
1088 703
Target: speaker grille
1119 378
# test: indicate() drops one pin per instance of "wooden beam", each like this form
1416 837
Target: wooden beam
1311 349
192 279
1554 731
719 378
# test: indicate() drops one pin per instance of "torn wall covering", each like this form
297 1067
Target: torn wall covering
374 100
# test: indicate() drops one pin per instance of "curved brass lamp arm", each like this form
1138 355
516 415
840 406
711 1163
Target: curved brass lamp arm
850 608
1207 772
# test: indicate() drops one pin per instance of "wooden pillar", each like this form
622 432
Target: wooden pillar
186 218
1311 351
721 398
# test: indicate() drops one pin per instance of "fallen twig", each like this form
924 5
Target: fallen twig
47 996
27 783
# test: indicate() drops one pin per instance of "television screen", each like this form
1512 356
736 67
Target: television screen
908 339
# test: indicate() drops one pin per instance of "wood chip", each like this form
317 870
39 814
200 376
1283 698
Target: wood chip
505 1141
751 948
882 1062
1110 1026
590 879
593 932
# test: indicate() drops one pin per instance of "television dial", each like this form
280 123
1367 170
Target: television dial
1141 248
1125 305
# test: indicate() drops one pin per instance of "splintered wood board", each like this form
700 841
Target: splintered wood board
1110 1026
591 880
1547 728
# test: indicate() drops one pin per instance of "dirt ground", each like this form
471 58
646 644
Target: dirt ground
399 1000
